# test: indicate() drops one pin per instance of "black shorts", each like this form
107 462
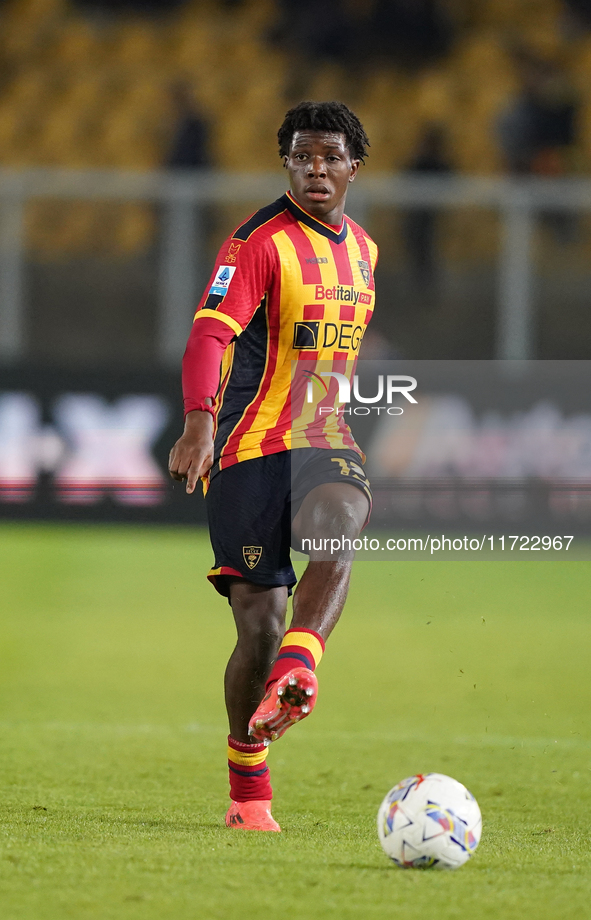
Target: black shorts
250 507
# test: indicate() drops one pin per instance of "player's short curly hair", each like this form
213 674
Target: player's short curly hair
324 116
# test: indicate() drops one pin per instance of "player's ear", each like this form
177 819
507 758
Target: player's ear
354 168
285 159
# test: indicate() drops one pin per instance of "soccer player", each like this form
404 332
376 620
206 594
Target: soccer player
292 288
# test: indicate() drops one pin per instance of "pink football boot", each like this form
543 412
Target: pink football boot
251 816
288 700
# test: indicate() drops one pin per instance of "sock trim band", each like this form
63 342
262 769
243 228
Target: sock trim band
249 773
245 746
310 632
245 759
307 639
307 660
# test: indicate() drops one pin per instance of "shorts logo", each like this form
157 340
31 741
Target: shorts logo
305 335
364 268
233 252
252 555
222 279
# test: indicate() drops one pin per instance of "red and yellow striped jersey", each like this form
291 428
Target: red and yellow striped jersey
295 291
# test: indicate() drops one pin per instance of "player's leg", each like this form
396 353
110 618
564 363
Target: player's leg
259 614
249 524
332 510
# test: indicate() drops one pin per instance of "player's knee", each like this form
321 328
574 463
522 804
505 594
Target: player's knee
260 640
259 616
340 519
267 631
331 511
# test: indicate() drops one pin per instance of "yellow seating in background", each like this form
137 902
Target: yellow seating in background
75 44
514 14
138 44
88 93
61 229
57 228
135 228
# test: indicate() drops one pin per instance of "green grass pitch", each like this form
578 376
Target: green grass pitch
112 752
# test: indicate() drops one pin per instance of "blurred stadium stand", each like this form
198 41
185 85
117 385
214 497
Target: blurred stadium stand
82 90
86 86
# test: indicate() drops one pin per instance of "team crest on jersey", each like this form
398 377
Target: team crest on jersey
222 279
233 252
364 268
252 555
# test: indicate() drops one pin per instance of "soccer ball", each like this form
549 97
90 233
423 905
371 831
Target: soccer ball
429 821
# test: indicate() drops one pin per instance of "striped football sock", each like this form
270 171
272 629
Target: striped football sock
249 773
301 648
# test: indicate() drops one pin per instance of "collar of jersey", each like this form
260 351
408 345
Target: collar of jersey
324 229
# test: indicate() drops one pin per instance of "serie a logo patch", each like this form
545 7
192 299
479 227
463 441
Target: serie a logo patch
252 555
222 279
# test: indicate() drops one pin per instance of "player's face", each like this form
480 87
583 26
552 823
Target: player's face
320 169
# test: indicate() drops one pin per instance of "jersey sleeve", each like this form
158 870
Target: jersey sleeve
201 363
241 277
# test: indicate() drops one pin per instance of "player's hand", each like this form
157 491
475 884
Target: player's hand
192 455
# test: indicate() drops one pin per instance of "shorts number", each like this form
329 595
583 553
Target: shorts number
345 471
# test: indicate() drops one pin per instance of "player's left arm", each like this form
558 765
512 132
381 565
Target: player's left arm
227 306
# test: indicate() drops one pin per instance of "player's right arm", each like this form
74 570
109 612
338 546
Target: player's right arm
227 306
192 455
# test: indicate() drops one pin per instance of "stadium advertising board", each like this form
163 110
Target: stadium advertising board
85 446
456 444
